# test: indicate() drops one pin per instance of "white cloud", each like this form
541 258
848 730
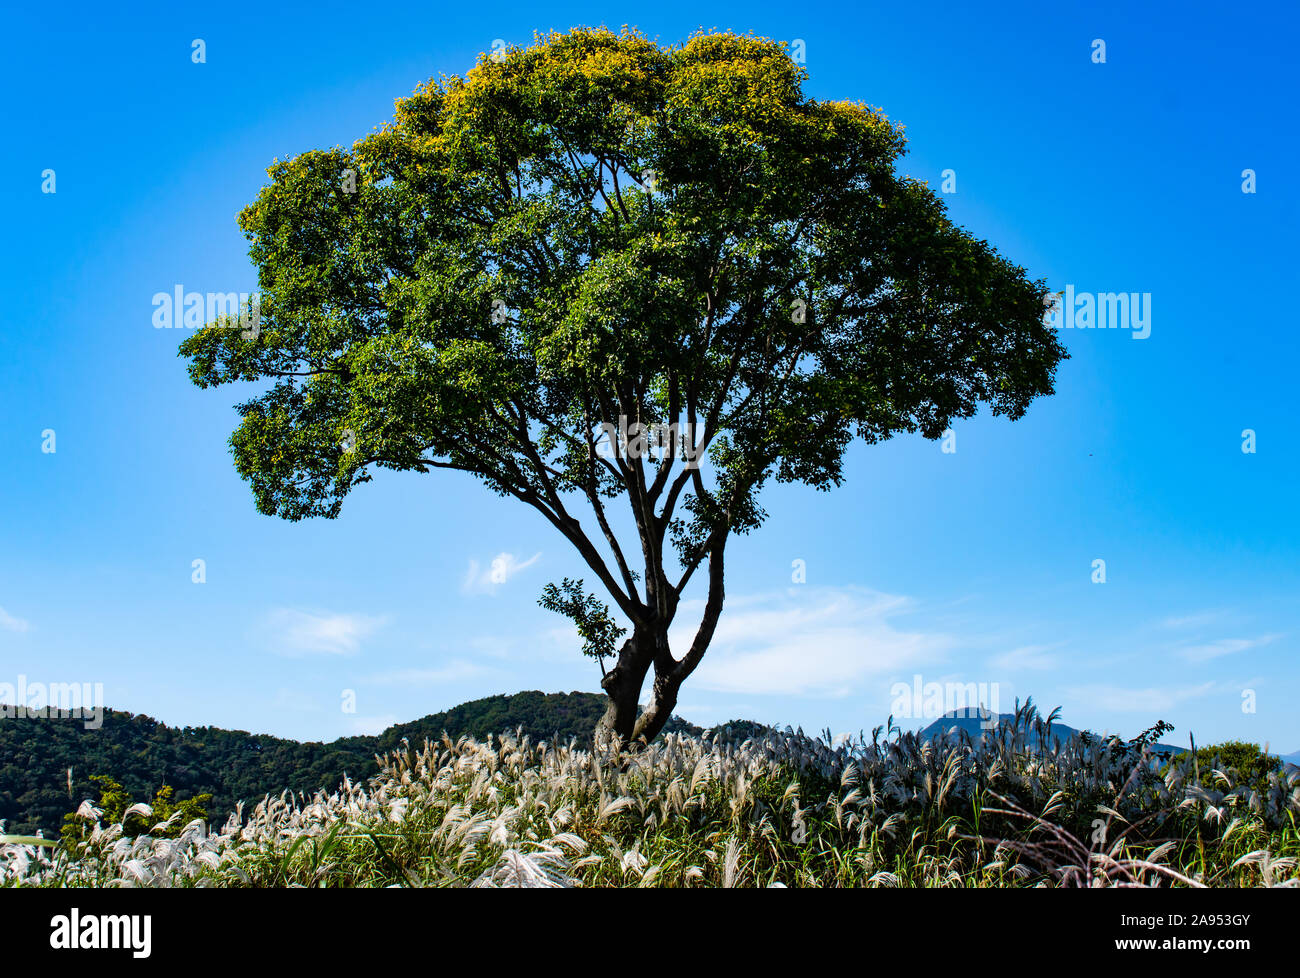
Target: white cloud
1224 646
1152 699
1026 657
453 671
299 632
503 567
707 714
295 701
370 726
11 624
1197 620
815 642
516 647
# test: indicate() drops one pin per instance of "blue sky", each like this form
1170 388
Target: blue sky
969 566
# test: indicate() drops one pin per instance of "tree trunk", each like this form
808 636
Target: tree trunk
663 699
622 685
623 719
648 647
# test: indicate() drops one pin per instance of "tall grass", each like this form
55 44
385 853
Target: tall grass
1016 808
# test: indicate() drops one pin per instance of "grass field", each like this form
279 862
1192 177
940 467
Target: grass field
776 809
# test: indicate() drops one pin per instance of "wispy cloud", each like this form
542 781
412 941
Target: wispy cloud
1224 646
370 726
295 632
454 671
11 624
479 580
1197 620
707 714
295 701
814 642
1149 700
1026 657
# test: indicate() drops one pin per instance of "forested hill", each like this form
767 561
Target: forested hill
234 765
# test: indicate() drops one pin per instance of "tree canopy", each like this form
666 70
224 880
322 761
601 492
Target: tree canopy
599 272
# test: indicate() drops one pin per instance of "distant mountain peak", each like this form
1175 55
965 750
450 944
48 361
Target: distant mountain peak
973 713
977 721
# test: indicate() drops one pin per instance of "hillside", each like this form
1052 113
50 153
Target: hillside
235 765
781 809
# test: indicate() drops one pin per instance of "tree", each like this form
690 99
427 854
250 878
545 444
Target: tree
623 282
1245 762
116 808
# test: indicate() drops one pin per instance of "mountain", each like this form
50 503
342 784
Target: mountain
977 722
37 789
